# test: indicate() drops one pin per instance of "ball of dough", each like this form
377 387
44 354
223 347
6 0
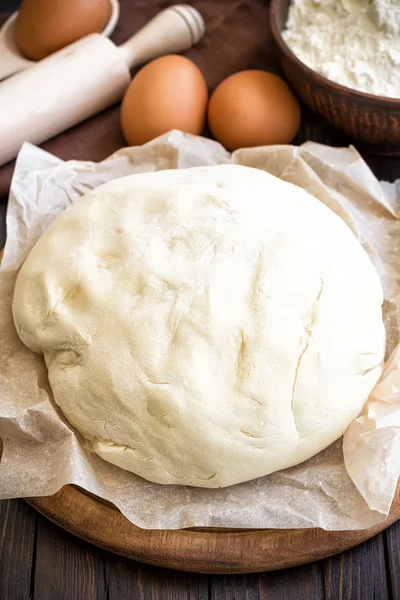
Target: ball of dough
204 326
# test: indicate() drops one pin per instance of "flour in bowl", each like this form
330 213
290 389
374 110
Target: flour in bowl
355 43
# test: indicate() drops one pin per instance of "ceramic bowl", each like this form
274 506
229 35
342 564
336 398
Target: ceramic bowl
372 120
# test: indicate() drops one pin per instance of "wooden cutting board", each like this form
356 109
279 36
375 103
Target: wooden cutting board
198 550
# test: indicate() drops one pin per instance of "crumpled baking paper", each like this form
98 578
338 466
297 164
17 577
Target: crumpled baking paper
348 486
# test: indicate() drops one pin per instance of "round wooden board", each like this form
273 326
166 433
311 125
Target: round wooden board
198 550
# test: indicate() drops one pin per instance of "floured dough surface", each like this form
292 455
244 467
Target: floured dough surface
203 326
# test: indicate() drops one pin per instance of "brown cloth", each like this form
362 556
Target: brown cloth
237 37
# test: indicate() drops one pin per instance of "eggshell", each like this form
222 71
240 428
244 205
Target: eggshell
253 108
45 26
168 93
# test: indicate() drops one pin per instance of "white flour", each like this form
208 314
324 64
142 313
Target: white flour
353 42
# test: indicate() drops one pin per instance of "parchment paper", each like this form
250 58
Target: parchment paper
347 487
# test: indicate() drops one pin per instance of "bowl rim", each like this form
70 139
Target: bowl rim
290 55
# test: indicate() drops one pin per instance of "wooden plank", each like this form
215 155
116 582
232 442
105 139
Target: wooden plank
3 210
66 567
8 6
392 546
313 128
17 545
131 580
359 574
307 582
235 587
387 169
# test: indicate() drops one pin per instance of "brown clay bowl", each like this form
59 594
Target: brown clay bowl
372 120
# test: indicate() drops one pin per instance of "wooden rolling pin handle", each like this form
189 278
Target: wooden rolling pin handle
172 31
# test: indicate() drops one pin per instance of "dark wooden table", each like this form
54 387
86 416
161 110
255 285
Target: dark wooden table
42 562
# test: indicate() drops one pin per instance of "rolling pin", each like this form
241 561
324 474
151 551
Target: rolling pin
84 78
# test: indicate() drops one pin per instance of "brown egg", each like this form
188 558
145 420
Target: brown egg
44 26
253 108
168 93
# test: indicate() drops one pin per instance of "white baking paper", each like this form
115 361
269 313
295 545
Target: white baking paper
348 486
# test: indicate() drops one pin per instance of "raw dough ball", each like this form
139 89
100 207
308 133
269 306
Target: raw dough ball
203 326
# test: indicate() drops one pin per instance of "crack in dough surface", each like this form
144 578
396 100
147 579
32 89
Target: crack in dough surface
308 331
